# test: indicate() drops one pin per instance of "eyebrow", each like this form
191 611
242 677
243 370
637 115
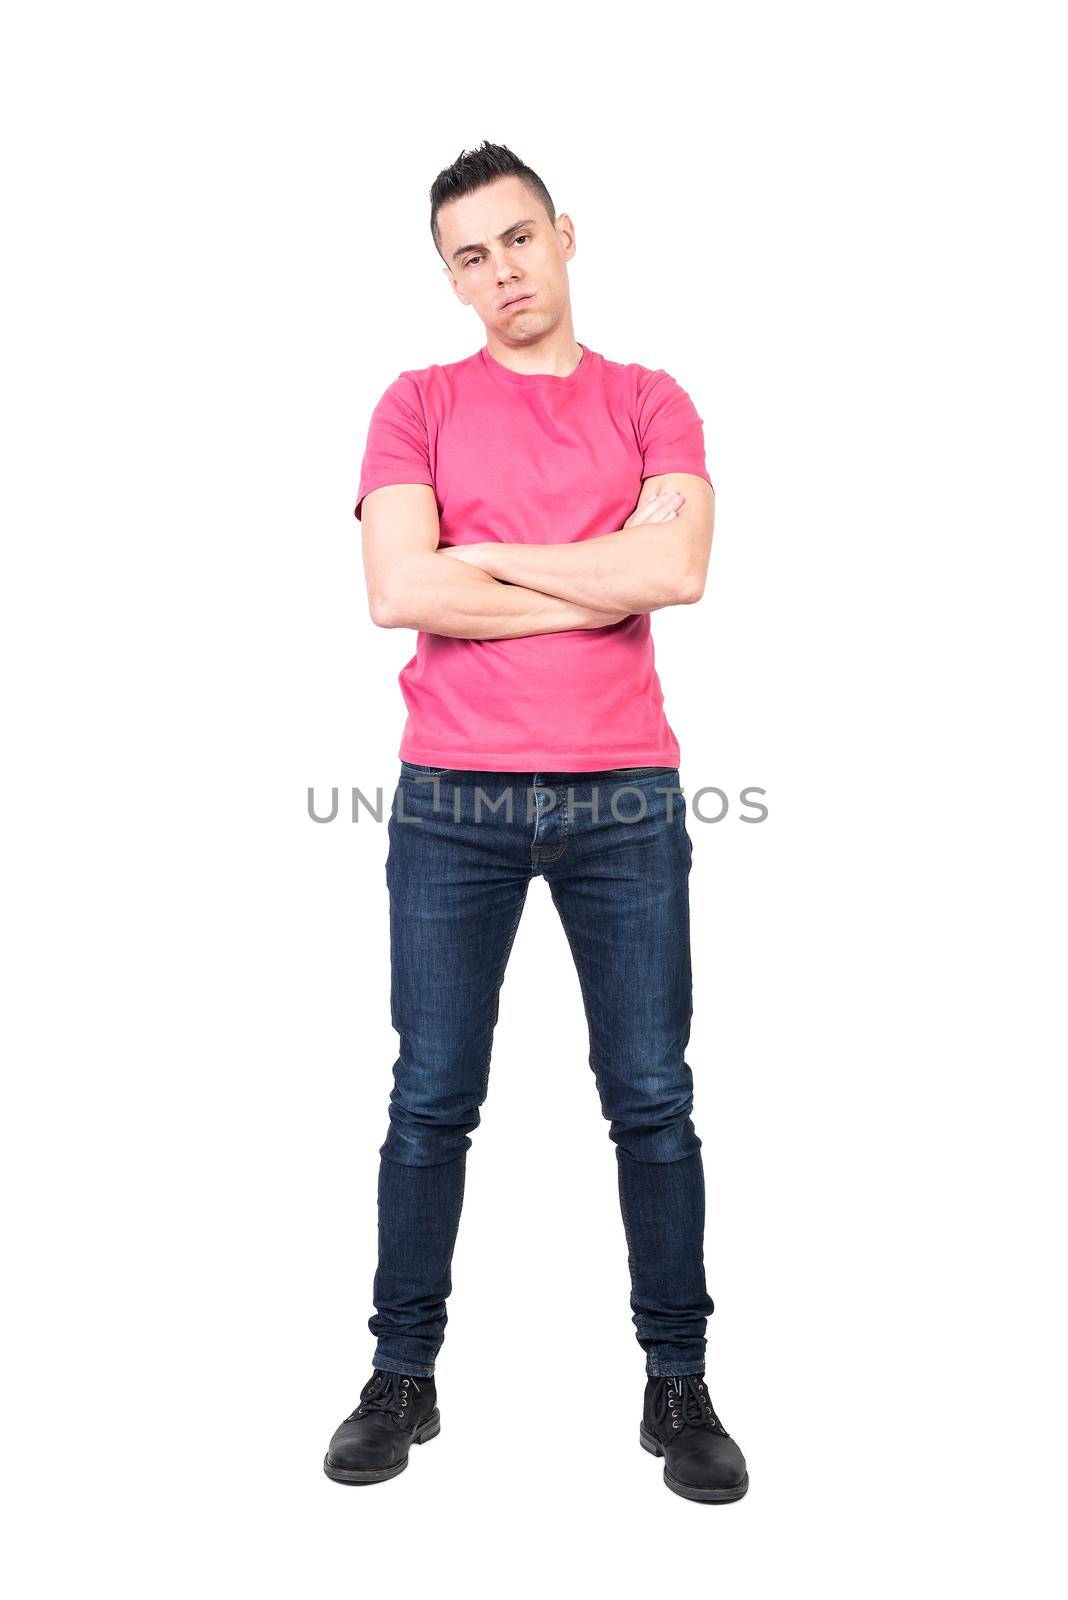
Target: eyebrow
526 222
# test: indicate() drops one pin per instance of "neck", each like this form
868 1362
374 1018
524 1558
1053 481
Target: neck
556 353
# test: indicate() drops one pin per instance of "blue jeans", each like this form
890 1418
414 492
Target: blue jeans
619 878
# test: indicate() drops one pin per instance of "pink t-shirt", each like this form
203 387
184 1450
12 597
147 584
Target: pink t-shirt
538 459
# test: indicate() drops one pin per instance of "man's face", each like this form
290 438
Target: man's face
498 244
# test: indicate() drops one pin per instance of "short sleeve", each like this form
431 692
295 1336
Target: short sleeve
397 448
670 432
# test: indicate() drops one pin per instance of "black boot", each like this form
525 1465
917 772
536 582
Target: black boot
395 1410
701 1460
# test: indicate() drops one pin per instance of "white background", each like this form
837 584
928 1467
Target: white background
838 227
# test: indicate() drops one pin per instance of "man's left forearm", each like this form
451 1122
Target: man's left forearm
634 570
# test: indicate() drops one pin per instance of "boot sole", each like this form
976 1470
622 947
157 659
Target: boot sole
426 1430
688 1490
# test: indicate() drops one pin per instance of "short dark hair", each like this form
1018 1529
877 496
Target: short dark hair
474 169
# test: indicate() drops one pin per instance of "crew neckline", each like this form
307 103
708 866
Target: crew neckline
530 379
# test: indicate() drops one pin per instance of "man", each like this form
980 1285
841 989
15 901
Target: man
498 502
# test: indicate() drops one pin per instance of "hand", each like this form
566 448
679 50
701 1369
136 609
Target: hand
660 507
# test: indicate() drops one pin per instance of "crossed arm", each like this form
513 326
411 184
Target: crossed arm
499 591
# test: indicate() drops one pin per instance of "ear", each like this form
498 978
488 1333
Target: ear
566 229
455 286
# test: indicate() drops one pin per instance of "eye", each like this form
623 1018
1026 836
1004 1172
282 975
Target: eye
471 261
520 236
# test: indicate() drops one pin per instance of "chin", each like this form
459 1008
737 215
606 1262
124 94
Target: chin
527 325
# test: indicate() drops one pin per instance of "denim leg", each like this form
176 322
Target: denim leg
622 891
455 904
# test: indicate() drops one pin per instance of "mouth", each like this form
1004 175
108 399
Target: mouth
520 300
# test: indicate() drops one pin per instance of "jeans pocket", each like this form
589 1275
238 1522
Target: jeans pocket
412 769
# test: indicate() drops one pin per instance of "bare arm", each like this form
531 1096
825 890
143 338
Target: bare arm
413 584
640 568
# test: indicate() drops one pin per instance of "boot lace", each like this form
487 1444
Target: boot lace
386 1391
689 1403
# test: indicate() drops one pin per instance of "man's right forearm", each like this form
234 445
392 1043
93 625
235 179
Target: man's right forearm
436 594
